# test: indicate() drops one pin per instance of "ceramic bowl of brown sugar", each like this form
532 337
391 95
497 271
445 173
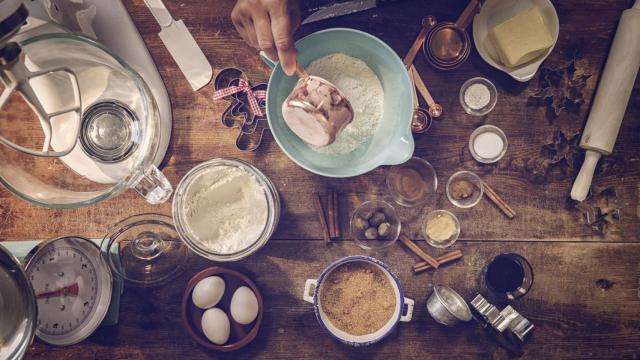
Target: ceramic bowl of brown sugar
358 300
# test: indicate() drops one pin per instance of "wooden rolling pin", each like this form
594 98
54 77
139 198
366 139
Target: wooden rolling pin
612 98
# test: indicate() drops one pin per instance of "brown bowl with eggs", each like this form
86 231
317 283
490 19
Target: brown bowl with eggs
222 309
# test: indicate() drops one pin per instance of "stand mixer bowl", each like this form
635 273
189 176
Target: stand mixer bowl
113 136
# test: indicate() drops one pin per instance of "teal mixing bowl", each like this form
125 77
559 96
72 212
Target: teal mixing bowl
392 142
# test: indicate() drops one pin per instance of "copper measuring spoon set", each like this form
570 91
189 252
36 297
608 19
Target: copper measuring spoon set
446 46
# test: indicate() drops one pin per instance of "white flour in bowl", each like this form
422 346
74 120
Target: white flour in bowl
364 91
226 209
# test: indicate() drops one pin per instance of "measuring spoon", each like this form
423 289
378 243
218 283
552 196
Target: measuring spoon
428 22
435 109
421 120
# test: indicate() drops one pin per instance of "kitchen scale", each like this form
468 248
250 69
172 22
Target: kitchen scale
78 282
73 288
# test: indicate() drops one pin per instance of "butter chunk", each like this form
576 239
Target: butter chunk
522 38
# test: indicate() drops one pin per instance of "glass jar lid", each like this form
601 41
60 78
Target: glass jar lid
145 250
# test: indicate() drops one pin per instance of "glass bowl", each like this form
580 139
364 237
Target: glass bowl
361 221
493 96
483 130
459 183
410 184
145 250
189 236
444 243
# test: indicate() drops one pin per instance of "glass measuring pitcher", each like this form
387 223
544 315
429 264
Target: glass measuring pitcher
77 125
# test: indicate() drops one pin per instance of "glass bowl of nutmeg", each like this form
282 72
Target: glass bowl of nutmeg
375 225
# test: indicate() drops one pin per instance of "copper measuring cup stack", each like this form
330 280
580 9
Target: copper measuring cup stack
448 44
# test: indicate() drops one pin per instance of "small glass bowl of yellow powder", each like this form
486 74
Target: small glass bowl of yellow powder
440 228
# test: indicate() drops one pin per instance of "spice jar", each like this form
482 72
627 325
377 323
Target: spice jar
488 144
440 228
464 189
478 96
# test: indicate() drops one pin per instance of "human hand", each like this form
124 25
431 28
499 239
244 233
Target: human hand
269 25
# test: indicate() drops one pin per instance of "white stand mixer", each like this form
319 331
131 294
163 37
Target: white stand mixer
104 113
109 23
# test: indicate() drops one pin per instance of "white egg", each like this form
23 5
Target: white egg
208 292
244 306
215 325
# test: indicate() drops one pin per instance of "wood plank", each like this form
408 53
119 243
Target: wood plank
574 318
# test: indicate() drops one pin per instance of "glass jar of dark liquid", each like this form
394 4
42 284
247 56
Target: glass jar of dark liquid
508 276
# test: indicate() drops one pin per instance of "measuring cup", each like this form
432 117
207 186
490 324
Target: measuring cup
448 44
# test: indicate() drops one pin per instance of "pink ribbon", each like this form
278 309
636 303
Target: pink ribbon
254 97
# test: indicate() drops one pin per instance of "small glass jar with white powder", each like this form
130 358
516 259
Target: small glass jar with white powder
487 144
478 96
225 209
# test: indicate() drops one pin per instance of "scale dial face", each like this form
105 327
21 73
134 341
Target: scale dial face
73 289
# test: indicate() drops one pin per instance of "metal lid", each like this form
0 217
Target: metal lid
18 309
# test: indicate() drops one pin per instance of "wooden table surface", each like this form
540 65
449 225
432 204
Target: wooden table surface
574 317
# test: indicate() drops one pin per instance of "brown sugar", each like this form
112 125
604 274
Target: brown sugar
358 298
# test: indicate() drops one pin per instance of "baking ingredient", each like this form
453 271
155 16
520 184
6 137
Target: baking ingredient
358 298
384 229
377 218
371 233
360 224
504 274
320 114
441 227
521 38
409 183
477 96
215 325
488 145
244 306
362 88
461 189
208 292
226 209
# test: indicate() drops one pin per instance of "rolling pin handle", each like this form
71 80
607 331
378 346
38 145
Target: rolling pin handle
582 184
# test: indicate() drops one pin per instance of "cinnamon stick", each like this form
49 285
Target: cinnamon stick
444 259
321 217
501 204
336 215
330 214
416 250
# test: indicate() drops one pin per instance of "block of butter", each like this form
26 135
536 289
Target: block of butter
521 38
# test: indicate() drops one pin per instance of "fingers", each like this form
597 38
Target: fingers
283 39
243 25
269 26
264 36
